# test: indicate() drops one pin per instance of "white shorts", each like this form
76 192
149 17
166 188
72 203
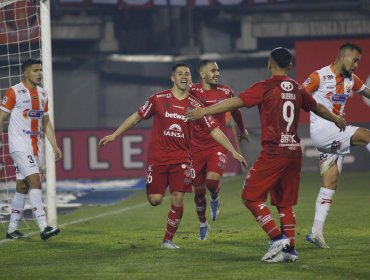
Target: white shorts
328 139
332 143
25 164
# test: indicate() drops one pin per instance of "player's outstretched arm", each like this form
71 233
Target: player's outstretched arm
325 113
128 123
221 138
50 134
224 106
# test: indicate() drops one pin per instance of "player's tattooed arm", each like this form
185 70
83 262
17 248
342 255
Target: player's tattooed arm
365 92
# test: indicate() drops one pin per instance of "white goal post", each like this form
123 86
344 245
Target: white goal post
48 85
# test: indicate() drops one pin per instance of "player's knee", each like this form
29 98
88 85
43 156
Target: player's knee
21 188
155 200
248 203
34 181
212 184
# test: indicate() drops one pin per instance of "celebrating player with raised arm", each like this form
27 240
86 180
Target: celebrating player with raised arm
277 169
27 105
169 156
331 86
209 157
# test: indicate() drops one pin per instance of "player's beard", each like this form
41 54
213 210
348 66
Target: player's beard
213 83
346 73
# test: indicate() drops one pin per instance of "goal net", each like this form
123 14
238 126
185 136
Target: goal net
20 39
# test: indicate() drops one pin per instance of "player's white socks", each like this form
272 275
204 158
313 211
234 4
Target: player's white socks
323 204
368 147
38 208
18 202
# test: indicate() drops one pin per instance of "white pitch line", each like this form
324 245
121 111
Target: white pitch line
86 219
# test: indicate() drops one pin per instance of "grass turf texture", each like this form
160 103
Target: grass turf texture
125 243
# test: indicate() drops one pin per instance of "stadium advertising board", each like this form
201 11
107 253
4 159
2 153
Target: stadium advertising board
174 3
123 158
313 55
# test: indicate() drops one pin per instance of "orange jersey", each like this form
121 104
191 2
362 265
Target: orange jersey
331 90
27 108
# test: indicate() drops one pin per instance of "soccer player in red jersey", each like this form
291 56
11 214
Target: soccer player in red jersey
209 157
277 169
169 156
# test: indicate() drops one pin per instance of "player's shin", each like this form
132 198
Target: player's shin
323 204
263 217
38 208
200 203
288 222
17 210
173 221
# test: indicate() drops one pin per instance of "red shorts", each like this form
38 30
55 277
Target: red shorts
177 176
208 160
278 176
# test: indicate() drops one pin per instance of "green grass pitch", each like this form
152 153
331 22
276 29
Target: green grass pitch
122 241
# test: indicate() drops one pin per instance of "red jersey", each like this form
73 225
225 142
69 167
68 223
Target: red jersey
203 140
279 100
172 131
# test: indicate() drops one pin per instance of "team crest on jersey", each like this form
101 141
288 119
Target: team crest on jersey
286 85
348 87
5 99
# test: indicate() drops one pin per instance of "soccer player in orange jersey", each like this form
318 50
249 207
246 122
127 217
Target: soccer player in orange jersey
209 158
331 86
169 156
277 169
27 105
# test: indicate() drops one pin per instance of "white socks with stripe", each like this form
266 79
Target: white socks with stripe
18 202
323 204
38 208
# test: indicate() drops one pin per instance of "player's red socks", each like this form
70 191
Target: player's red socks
287 221
214 187
173 221
263 217
200 203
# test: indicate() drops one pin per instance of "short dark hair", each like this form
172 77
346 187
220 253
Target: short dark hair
350 46
204 62
180 64
29 62
282 56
